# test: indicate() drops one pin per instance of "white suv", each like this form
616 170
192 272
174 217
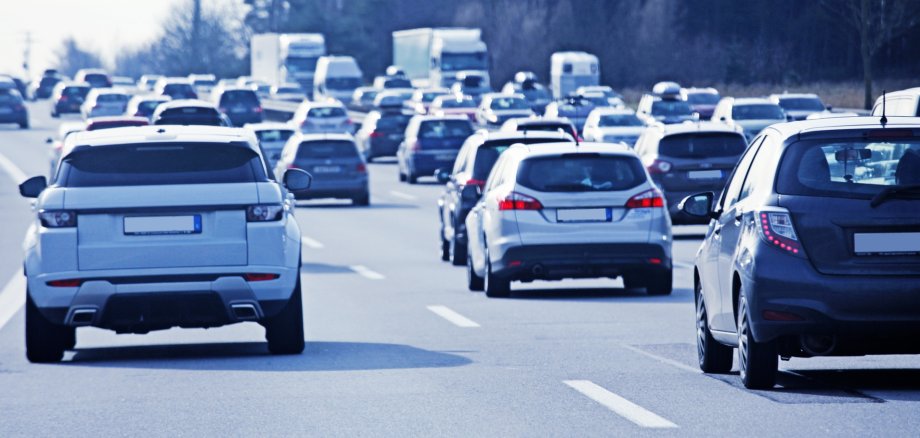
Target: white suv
148 228
568 210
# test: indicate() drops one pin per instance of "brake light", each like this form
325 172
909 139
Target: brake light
475 182
257 109
651 198
659 167
376 134
65 283
58 218
517 201
777 230
264 212
260 277
361 168
417 146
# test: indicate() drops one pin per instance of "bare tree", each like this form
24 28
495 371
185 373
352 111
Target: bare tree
71 57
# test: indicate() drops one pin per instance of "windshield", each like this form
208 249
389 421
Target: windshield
296 64
97 80
535 94
581 173
463 61
445 129
177 88
509 103
289 90
274 135
341 83
702 145
801 104
612 120
671 108
758 112
703 98
326 112
147 107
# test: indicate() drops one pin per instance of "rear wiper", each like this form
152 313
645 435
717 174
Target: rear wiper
890 192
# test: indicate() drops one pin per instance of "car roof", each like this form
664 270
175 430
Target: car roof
184 103
159 134
692 127
301 137
752 101
150 97
550 149
511 135
608 110
790 129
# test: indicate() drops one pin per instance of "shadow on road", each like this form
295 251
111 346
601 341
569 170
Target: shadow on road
596 293
254 356
349 206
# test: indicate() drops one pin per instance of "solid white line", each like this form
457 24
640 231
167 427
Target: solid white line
619 405
454 317
14 172
311 243
663 360
12 297
366 273
402 195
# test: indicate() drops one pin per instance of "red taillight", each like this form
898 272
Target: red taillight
475 182
361 168
517 201
257 109
777 230
375 134
654 261
417 146
260 277
648 199
63 99
659 167
775 315
291 166
65 283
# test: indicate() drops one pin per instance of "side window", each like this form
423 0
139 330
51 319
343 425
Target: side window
496 175
733 187
761 168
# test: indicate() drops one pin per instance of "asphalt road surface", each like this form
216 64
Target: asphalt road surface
396 346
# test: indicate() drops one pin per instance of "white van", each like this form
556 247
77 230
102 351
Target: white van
336 77
570 70
899 103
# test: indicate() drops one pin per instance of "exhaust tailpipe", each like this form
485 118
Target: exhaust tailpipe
244 312
80 317
818 345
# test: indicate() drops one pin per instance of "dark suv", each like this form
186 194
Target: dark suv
241 105
381 133
12 108
813 248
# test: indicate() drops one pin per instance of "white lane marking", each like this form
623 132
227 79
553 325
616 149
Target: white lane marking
14 172
402 195
311 243
619 405
12 297
663 360
366 273
683 265
454 317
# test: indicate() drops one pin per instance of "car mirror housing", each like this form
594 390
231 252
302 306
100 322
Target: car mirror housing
443 175
470 192
297 180
33 187
698 205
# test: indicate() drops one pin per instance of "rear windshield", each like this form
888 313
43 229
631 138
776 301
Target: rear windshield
326 112
671 108
397 83
488 153
177 88
75 91
289 90
274 135
509 103
97 80
160 164
112 98
547 127
396 122
147 107
581 173
472 81
703 145
334 83
239 97
703 98
49 82
854 168
619 120
458 103
758 112
97 125
204 82
368 96
190 116
801 104
445 129
309 150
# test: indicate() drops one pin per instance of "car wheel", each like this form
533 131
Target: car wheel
402 176
713 356
757 361
457 253
45 340
24 125
445 250
474 282
660 284
55 114
411 177
362 201
284 331
495 286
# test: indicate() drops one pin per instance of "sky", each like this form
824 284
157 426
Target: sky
103 26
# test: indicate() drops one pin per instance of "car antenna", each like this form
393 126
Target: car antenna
884 119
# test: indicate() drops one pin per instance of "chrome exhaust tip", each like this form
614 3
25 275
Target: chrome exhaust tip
245 312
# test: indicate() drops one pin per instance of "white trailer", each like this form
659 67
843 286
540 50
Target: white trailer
286 58
432 57
570 70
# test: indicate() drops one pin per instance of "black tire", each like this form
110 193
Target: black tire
284 331
362 201
660 284
445 250
714 357
402 176
495 286
457 253
757 361
45 340
55 114
474 282
24 125
411 177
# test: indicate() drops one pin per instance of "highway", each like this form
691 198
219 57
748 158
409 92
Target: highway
397 346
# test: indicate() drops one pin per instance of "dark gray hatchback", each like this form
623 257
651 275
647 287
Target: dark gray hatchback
813 248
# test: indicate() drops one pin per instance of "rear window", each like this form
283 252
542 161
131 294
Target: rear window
75 91
112 98
147 107
856 168
703 98
368 96
309 150
619 120
509 103
239 97
397 83
177 88
488 153
274 135
97 125
758 112
334 83
190 116
160 164
48 82
189 111
445 129
458 103
326 112
801 104
9 96
581 173
393 122
671 108
547 127
97 80
702 145
472 81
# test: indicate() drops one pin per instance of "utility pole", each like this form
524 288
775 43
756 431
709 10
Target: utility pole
27 54
196 38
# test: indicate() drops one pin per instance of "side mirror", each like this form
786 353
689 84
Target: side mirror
443 175
829 108
470 193
698 205
33 187
723 119
297 180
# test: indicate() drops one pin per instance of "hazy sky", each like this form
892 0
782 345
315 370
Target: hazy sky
100 25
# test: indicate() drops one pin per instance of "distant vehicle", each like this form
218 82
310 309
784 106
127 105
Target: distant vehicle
241 105
13 108
333 160
748 115
468 175
432 57
689 158
104 102
575 108
95 77
148 82
176 88
597 92
497 108
613 125
189 112
287 58
471 83
43 87
431 143
702 101
453 105
227 82
654 108
535 93
193 261
336 77
272 138
667 90
561 210
541 124
144 106
18 83
387 82
381 133
68 97
57 144
903 103
203 83
363 98
807 252
422 99
798 106
393 98
322 117
570 70
288 93
395 70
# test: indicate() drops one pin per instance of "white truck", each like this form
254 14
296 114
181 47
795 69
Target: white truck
432 57
286 58
570 70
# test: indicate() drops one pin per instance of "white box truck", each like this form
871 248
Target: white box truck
570 70
286 58
432 57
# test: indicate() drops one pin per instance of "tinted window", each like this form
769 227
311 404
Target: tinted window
463 61
274 135
97 80
458 103
445 129
509 103
701 145
758 112
239 97
801 104
671 108
581 173
48 82
547 127
619 120
160 164
334 83
535 94
472 81
190 116
428 97
177 89
97 125
147 107
204 82
326 112
397 83
488 153
368 96
396 122
75 91
289 90
112 98
703 98
326 149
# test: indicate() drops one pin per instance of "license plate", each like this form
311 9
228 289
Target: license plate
886 243
327 169
237 109
151 225
584 215
395 137
704 174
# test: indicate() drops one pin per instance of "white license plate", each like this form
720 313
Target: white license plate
237 109
583 215
395 136
704 174
886 243
148 225
327 169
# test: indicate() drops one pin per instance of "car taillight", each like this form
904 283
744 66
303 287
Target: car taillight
257 109
417 146
517 201
348 121
658 167
777 230
475 182
375 134
648 199
63 99
58 218
362 168
260 277
65 283
264 212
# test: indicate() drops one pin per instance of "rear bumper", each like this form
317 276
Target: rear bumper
14 117
554 262
425 165
384 148
341 190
